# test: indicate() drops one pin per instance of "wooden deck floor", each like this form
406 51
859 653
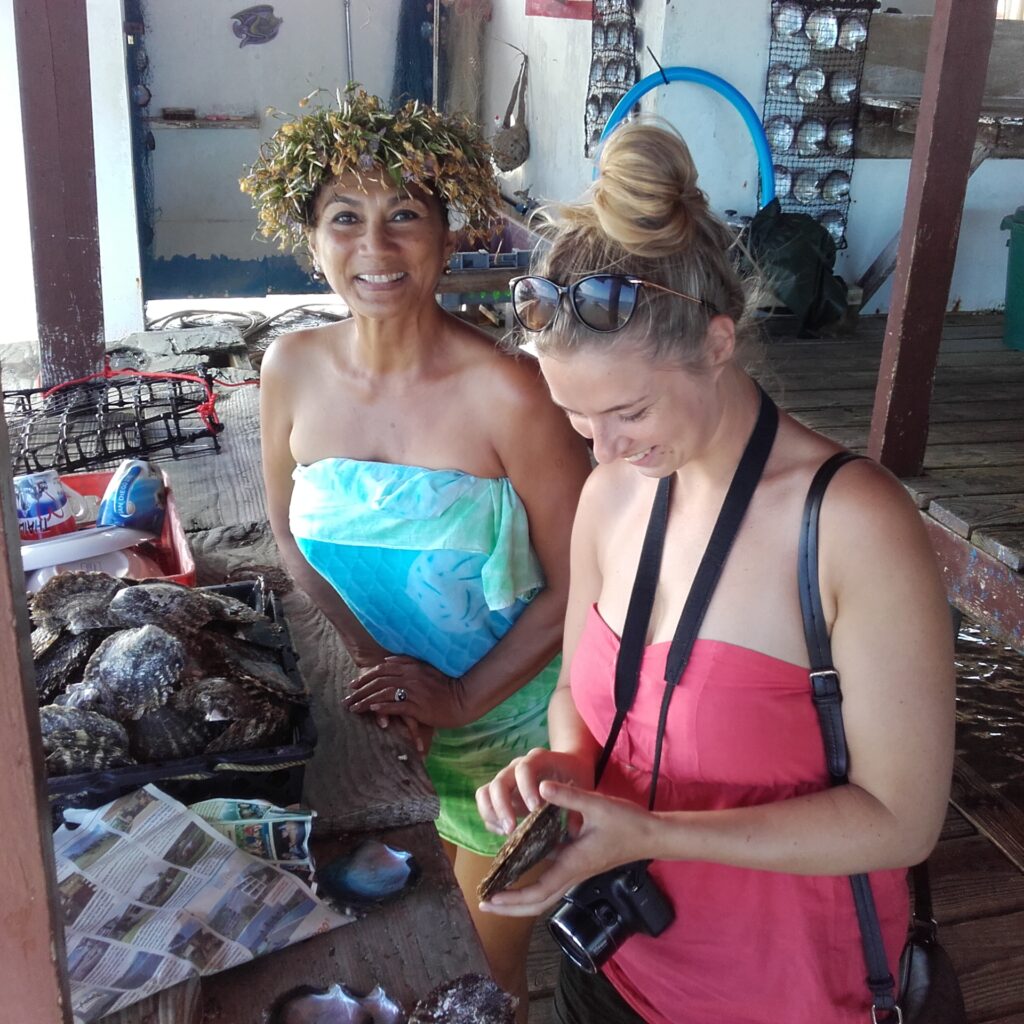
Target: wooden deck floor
971 491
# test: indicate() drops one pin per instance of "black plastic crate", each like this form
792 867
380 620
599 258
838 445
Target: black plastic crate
271 773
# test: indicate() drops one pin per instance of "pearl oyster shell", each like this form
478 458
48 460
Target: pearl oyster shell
174 606
254 721
534 838
338 1005
63 661
470 999
75 740
77 600
166 734
134 670
368 875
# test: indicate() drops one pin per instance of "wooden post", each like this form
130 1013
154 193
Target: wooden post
954 81
53 65
33 982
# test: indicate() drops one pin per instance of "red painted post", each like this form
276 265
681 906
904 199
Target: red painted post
954 82
33 982
53 66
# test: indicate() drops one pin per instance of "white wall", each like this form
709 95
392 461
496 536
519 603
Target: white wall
195 61
120 273
17 290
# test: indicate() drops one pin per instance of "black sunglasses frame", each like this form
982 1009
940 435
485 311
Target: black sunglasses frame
570 289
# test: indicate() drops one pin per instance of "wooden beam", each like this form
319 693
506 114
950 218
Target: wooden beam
53 65
983 587
33 982
958 49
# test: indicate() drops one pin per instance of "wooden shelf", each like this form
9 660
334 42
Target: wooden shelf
246 121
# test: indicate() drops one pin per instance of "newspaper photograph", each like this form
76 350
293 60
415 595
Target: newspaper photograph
151 894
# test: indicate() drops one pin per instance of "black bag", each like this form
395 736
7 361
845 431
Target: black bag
929 990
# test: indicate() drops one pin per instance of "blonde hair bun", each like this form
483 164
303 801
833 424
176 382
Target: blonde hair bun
646 196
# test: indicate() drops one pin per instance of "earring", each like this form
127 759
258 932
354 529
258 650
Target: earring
318 274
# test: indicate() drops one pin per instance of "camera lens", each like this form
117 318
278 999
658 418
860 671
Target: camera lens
587 935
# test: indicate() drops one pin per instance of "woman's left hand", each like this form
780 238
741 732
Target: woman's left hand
612 832
402 686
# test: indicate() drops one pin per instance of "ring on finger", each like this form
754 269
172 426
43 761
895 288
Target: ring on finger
401 694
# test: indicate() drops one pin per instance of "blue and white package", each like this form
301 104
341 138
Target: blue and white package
134 498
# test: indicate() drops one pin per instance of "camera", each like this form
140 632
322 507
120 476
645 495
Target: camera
598 915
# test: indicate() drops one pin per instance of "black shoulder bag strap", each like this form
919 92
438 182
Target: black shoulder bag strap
827 696
641 601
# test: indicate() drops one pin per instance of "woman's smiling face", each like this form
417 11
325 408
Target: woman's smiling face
381 250
652 414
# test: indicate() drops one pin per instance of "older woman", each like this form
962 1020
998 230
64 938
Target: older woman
637 314
420 483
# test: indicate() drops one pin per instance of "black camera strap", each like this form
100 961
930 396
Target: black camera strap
641 602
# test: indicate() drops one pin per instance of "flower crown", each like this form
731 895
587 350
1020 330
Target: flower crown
444 154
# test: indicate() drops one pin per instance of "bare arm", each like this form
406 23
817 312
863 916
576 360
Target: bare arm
282 362
892 646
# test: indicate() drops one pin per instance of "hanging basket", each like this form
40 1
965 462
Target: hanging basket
511 144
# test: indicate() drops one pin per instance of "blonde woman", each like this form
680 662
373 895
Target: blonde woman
639 318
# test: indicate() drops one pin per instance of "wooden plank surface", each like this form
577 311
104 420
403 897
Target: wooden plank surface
990 812
963 515
408 947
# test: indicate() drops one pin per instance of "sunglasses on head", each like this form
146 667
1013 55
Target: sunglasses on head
602 302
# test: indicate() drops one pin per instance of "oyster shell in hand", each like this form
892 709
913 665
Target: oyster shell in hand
534 838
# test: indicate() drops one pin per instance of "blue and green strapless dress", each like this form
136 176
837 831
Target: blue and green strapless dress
436 564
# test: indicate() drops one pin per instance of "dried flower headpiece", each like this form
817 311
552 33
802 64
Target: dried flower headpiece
444 154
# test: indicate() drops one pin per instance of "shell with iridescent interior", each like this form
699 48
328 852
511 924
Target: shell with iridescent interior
370 874
335 1005
134 670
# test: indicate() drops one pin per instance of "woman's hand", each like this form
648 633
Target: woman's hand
404 687
611 832
514 791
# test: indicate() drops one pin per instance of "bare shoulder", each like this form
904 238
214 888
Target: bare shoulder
872 534
295 353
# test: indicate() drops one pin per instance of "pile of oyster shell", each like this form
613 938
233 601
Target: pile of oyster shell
131 673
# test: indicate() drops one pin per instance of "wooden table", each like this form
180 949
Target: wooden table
361 779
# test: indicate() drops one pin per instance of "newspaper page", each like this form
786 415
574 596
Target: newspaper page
277 834
151 893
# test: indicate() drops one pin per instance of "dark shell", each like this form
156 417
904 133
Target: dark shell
86 697
471 999
43 638
169 605
75 760
175 607
62 661
370 874
78 600
254 720
534 838
255 666
62 726
218 699
166 734
269 728
135 669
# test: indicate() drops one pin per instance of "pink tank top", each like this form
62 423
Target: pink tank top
746 947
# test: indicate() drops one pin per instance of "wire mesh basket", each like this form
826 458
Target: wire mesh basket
811 102
99 422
